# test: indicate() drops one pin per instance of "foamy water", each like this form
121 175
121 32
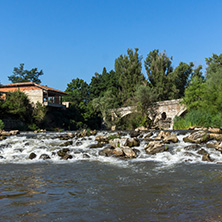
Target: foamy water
16 149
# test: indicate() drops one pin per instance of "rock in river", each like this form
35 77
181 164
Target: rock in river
154 147
170 139
197 137
32 156
44 157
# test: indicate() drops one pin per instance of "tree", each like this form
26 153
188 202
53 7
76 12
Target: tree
21 75
180 77
194 94
100 83
78 92
129 73
159 71
146 98
213 63
18 105
213 95
104 104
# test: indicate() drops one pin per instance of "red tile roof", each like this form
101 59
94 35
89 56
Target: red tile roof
32 84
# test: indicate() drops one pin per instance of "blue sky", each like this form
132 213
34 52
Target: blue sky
76 38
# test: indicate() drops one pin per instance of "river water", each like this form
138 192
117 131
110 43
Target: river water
169 186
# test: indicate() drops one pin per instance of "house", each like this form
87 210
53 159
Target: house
36 93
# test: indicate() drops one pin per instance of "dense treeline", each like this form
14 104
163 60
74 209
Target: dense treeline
127 85
203 97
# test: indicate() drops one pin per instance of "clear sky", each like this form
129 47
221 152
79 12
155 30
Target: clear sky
76 38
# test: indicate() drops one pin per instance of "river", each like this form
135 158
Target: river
169 186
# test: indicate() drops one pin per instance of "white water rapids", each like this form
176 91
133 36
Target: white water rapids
16 149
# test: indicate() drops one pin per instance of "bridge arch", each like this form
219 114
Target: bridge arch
165 110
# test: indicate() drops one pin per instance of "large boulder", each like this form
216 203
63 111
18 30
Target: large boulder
215 130
130 142
116 142
128 152
197 137
162 135
106 152
154 147
5 133
14 132
215 136
118 152
170 139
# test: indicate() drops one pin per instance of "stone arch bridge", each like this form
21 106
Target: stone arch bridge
165 112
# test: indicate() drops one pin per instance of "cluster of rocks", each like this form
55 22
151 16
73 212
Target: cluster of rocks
4 134
71 135
203 136
120 146
123 147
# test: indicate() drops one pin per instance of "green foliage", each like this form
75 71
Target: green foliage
180 78
78 92
132 121
201 118
168 83
129 71
39 113
105 104
206 94
33 127
213 94
114 136
18 105
194 94
146 97
159 70
2 125
21 75
100 83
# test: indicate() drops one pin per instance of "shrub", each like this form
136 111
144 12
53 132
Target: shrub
200 118
181 123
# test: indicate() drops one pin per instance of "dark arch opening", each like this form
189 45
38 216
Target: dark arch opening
163 116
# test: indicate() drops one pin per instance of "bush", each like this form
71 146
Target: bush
2 125
199 118
181 123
